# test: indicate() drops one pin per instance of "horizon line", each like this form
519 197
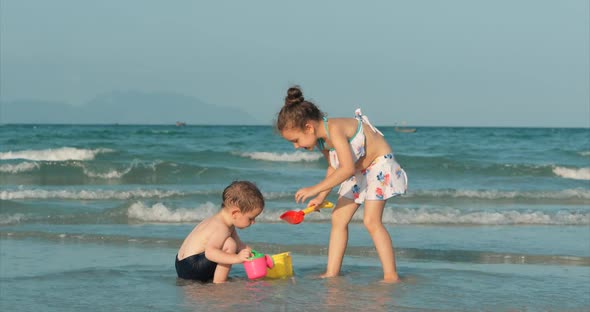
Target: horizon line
270 125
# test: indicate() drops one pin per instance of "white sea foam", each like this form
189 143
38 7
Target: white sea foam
579 193
57 154
452 216
584 153
97 194
569 173
277 195
20 167
160 213
455 216
283 157
85 194
111 174
12 219
117 174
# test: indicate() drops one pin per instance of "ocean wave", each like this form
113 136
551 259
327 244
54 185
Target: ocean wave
57 154
585 153
283 157
64 165
453 217
572 173
19 168
140 212
111 173
579 194
460 167
278 195
136 171
456 216
6 219
147 171
116 173
86 194
568 194
97 194
160 213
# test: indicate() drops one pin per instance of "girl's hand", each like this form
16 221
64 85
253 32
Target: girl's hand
244 254
303 194
316 202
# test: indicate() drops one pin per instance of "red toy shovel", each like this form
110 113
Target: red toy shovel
295 217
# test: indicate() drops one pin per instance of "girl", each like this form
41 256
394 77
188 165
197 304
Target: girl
360 160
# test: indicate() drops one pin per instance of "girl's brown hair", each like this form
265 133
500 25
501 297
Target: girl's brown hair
297 111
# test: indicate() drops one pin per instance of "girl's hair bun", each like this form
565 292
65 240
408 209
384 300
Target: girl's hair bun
294 96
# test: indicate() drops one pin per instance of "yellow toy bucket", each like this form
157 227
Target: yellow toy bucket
283 266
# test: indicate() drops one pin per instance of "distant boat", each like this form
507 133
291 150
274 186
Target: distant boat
405 130
180 124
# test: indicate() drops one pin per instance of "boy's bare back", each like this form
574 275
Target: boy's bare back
196 241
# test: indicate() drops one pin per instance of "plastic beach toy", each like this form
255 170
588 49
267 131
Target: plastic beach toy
295 217
256 265
283 266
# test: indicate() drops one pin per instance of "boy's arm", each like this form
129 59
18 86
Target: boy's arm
239 242
215 253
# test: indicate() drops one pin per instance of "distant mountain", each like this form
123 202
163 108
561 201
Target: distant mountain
125 107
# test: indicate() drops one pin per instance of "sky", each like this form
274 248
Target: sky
504 63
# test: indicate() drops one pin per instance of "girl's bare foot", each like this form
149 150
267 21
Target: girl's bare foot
391 278
327 275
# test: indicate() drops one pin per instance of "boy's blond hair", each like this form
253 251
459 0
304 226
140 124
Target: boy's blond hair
243 194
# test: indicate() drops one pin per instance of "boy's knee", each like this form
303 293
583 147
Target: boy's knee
230 246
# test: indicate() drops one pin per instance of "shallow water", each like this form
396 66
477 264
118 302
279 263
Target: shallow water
92 216
71 276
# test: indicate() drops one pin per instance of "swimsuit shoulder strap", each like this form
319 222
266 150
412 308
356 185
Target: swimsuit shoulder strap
320 142
326 126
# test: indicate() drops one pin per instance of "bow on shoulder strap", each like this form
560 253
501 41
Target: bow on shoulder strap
365 119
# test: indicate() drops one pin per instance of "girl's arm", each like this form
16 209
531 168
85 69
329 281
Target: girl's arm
323 194
344 171
346 168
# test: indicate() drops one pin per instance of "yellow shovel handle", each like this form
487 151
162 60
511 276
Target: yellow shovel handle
325 204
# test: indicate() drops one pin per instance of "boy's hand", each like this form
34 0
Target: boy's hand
244 254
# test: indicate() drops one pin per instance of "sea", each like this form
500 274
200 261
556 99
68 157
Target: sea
91 218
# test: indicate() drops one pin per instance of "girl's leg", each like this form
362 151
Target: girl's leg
222 270
341 216
381 239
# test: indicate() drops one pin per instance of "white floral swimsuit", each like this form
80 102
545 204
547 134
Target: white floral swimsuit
382 179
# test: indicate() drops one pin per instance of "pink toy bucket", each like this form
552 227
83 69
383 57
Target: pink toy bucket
256 266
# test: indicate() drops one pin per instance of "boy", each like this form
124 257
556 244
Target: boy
211 248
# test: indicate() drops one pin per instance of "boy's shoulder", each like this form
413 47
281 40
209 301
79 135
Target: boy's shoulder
213 225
